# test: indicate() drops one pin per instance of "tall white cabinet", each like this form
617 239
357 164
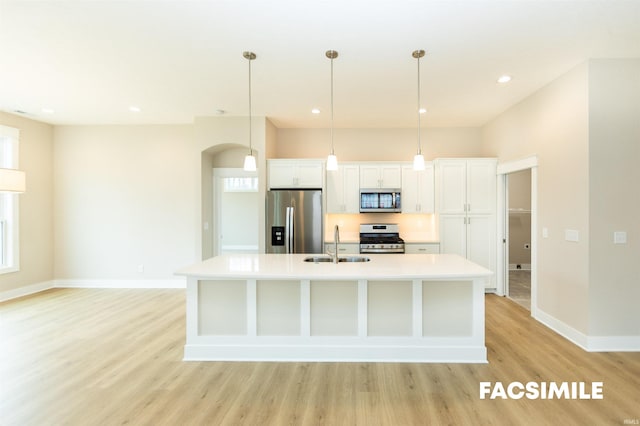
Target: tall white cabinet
466 204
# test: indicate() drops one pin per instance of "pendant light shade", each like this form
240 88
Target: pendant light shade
332 160
418 159
250 159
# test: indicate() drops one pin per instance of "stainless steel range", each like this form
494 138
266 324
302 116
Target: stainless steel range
380 238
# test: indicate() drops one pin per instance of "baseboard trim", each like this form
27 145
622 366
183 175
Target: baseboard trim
97 283
26 290
562 329
614 344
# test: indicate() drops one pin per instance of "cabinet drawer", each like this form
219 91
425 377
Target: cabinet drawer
343 248
422 248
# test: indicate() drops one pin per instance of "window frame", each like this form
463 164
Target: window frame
9 226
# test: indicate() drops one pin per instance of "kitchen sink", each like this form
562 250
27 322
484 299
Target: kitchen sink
318 259
353 259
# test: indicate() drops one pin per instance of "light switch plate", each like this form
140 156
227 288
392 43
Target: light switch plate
620 237
571 235
545 232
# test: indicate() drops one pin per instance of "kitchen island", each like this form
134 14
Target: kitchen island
279 307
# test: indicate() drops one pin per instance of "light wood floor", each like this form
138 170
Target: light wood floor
520 287
111 357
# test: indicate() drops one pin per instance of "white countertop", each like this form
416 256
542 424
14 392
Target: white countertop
293 266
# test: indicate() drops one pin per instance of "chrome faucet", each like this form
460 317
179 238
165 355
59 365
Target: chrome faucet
336 240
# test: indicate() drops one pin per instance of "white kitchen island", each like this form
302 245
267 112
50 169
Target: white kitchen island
394 308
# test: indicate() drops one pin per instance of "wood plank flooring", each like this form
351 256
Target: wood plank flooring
113 357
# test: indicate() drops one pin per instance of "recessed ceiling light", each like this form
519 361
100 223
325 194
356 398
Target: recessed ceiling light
47 110
134 108
315 111
504 79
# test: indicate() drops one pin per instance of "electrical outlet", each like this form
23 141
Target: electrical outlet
527 246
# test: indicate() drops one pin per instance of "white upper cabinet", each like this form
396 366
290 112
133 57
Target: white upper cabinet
466 186
418 189
343 189
380 176
288 173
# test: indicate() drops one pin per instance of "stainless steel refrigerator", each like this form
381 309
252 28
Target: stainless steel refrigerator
294 221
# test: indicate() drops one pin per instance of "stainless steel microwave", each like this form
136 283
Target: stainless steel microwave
378 200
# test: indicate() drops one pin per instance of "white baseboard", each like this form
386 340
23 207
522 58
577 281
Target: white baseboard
614 344
97 283
26 290
562 329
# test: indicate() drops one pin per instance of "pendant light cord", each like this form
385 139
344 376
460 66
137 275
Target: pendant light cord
332 153
419 147
250 145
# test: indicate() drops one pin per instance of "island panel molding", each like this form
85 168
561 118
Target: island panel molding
277 307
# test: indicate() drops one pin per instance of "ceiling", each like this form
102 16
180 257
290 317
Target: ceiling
88 62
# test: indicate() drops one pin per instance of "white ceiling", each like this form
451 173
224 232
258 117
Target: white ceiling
89 61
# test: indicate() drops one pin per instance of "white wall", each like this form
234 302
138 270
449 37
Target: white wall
36 205
585 129
614 196
124 196
553 124
378 144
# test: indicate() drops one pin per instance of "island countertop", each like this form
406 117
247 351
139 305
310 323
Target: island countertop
293 266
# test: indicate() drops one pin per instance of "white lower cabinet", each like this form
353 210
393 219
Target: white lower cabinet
472 237
343 248
421 248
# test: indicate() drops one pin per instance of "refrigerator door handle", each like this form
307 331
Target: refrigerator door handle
287 230
291 230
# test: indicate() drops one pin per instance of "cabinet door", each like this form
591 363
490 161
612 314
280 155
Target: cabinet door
451 186
369 176
417 190
410 200
481 247
426 189
335 190
481 186
453 235
281 174
343 190
351 189
309 174
391 176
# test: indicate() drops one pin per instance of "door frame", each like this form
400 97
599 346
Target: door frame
502 229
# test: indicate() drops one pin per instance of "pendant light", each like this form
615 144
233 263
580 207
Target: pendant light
332 160
418 159
250 159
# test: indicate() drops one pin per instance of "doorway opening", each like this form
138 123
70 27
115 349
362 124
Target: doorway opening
518 249
236 203
517 227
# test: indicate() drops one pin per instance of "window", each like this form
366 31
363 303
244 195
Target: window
240 184
9 248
